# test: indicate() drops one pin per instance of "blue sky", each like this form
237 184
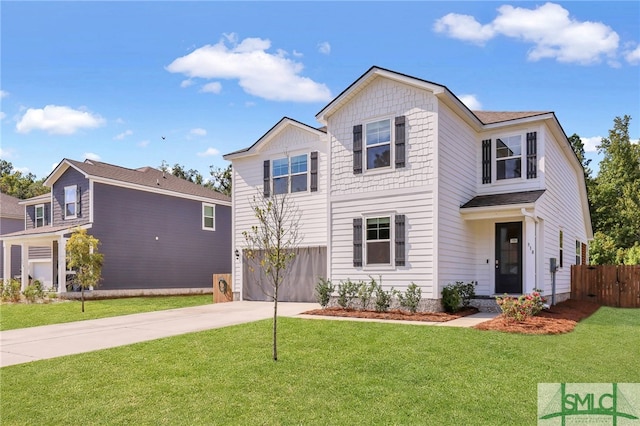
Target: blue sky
109 80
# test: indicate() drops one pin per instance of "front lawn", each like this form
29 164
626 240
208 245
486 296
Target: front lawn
329 373
22 315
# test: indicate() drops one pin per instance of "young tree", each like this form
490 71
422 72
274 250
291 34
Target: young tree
83 257
271 246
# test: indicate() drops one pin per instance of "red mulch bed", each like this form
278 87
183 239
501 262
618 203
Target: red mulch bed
393 314
560 318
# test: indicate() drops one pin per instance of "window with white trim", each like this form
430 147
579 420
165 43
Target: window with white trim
561 238
208 217
290 174
509 157
39 216
378 240
378 144
578 252
70 202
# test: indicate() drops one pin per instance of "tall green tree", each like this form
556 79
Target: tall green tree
615 195
221 179
19 185
83 258
271 246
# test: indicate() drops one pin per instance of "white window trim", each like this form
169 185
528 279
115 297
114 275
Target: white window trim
35 214
392 238
365 147
75 191
290 174
205 228
578 257
523 140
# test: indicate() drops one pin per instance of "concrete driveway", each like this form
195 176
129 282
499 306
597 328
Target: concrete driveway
51 341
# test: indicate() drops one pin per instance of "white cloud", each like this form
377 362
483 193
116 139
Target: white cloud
633 55
553 33
471 101
3 94
266 75
324 48
297 54
119 121
144 143
209 152
186 83
214 87
91 156
123 135
23 170
198 132
60 120
5 153
591 144
2 115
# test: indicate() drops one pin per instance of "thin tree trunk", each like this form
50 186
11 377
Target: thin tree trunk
275 326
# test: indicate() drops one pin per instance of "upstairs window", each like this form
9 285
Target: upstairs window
70 202
290 174
508 157
39 215
378 144
209 217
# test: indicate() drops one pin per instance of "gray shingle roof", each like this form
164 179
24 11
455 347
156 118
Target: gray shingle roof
147 176
525 197
10 207
490 117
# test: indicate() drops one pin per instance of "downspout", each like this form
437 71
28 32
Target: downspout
535 236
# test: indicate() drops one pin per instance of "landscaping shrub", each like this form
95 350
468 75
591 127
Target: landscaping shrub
383 298
410 299
347 291
455 296
522 307
324 288
34 291
11 290
365 292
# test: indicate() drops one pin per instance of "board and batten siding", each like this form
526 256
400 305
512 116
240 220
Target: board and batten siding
152 240
248 183
71 177
561 209
382 99
419 240
457 179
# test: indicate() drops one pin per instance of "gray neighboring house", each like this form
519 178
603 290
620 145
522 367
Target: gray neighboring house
159 234
11 220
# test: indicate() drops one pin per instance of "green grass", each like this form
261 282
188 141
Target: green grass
21 315
329 373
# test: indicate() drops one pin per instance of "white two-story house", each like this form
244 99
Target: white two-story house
421 189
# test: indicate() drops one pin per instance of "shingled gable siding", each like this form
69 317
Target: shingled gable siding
153 240
71 177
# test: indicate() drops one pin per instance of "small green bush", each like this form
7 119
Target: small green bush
11 290
347 291
365 292
383 298
324 288
522 307
410 299
455 296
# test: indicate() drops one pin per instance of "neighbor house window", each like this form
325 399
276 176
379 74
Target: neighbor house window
39 215
378 239
578 253
378 144
290 174
70 201
209 217
508 157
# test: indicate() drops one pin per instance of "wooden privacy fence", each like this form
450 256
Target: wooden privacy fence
609 285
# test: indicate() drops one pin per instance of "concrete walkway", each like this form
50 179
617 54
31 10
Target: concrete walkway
51 341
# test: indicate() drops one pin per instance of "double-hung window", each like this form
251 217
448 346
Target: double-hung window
70 202
509 157
290 174
378 144
578 252
39 215
209 217
378 243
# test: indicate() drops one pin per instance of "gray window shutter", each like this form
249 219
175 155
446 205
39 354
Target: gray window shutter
78 202
314 171
357 149
400 239
486 161
532 156
266 184
47 213
357 242
400 142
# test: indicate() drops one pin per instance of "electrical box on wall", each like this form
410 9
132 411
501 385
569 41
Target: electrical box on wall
553 264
